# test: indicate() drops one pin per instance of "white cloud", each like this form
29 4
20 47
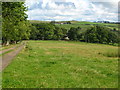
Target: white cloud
71 10
31 2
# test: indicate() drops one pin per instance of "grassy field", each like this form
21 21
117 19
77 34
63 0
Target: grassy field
83 24
63 64
86 25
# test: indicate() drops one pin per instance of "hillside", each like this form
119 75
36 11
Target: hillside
83 24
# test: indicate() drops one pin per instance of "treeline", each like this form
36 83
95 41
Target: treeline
95 34
47 31
15 26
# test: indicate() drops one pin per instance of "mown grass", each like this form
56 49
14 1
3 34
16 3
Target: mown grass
62 64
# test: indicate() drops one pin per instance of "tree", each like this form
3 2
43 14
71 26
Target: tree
58 33
99 34
33 33
14 22
68 22
45 31
73 33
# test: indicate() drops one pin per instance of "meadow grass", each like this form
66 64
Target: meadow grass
62 64
86 25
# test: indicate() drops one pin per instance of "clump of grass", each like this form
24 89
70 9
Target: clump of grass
28 47
112 54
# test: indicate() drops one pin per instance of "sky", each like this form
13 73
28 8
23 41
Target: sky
80 10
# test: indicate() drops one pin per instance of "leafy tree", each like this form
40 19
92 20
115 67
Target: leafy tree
64 31
112 38
45 31
100 34
58 33
33 33
73 33
14 22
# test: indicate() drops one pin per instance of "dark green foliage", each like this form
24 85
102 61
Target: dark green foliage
44 31
68 22
15 26
48 31
96 34
52 22
58 33
33 33
73 33
100 34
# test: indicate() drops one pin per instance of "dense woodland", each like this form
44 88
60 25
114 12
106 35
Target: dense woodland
16 27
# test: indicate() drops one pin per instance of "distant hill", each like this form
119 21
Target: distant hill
82 24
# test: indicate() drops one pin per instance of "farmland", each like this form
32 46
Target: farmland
42 51
86 25
63 64
83 24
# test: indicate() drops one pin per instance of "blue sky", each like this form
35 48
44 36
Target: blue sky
81 10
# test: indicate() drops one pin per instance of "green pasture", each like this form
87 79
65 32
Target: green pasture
63 64
86 25
83 24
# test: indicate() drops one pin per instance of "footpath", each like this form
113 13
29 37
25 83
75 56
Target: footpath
6 59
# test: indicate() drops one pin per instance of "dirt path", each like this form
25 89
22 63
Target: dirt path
5 50
6 59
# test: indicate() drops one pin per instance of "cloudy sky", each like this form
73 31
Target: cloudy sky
81 10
